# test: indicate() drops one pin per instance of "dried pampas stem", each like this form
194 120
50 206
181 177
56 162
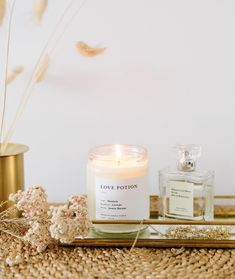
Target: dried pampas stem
14 73
38 10
11 233
5 74
88 51
41 68
32 80
137 236
2 10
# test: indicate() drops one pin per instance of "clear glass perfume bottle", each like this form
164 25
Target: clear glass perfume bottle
186 193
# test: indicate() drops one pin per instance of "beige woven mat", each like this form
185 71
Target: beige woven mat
16 261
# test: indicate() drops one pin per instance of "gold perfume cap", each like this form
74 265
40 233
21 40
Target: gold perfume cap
187 156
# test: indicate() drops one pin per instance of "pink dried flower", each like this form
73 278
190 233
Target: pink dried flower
70 221
63 223
32 203
62 228
78 202
38 236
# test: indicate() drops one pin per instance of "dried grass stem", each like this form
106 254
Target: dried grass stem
46 51
41 69
5 74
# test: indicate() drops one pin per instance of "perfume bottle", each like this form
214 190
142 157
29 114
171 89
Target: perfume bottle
186 193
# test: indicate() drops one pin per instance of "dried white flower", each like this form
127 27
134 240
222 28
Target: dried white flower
41 226
2 10
88 51
32 202
38 236
11 261
70 220
14 73
39 9
63 229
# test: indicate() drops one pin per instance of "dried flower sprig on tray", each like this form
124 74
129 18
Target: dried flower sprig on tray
41 224
195 232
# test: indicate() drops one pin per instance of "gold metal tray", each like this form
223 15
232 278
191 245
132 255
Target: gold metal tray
219 233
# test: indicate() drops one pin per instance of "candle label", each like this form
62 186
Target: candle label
122 199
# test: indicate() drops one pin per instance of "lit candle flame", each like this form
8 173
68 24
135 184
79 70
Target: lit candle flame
118 154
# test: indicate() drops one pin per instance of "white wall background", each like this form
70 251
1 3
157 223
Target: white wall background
168 76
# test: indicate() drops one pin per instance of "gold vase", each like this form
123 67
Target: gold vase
12 170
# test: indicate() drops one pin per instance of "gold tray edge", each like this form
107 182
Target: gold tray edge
194 243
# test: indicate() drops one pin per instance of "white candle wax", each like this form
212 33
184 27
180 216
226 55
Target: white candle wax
117 185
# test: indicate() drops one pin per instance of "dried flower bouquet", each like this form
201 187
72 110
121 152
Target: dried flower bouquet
42 224
7 10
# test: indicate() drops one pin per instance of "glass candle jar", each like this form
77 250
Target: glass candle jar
117 186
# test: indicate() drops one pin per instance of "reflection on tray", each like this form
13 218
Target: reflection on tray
204 232
224 206
219 233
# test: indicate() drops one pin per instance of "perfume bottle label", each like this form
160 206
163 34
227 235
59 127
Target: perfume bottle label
122 199
181 198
